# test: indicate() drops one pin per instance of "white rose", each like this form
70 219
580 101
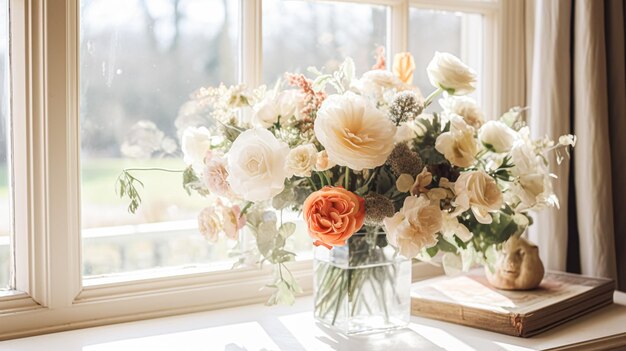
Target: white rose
256 165
415 226
269 110
480 192
302 159
497 136
458 145
354 132
196 144
464 106
447 72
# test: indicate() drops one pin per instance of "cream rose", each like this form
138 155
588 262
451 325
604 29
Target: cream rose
302 159
354 132
196 144
322 162
415 226
256 165
447 72
458 145
480 192
464 106
209 224
233 221
497 136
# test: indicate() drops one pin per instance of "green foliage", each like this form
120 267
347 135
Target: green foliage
191 182
425 144
126 185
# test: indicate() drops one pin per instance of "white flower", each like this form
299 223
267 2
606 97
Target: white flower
497 136
451 227
464 106
567 140
446 71
415 226
209 224
458 145
374 83
302 159
532 184
405 132
269 110
196 145
480 192
256 165
354 132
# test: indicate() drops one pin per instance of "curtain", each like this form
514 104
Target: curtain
577 85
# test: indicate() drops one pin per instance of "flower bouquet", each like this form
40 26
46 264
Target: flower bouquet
378 180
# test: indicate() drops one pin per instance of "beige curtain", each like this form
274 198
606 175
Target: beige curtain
577 84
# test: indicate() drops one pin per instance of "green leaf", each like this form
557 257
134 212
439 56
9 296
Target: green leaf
287 229
432 251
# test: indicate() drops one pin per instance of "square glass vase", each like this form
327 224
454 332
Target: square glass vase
361 287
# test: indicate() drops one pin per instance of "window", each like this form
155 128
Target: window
300 34
458 33
5 170
125 69
140 62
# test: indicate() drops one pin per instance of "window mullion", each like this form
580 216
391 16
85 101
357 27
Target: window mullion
251 52
398 28
60 174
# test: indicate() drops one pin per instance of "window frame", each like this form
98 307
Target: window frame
44 53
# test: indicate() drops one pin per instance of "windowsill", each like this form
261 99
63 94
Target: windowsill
257 327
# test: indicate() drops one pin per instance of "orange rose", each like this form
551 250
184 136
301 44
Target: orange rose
332 215
403 67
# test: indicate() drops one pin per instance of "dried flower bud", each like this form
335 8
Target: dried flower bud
377 207
403 160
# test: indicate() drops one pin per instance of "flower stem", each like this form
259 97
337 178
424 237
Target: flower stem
346 180
430 97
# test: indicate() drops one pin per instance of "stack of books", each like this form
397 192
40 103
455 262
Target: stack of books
469 300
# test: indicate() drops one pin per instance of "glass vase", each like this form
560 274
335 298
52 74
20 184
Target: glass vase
363 286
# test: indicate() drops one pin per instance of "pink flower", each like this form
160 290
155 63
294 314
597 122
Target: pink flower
215 177
233 221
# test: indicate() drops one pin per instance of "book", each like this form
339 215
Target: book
468 299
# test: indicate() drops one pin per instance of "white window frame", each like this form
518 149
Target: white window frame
49 294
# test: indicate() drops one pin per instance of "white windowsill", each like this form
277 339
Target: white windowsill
257 327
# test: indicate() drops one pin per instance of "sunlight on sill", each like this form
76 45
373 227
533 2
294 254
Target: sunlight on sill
215 338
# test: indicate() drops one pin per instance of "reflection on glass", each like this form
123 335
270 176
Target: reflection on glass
140 61
300 34
5 213
458 33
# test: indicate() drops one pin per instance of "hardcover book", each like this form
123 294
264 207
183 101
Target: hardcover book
469 300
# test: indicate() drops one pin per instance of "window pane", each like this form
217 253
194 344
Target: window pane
458 33
140 61
299 34
5 210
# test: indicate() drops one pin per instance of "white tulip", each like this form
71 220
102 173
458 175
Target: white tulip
497 136
447 72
